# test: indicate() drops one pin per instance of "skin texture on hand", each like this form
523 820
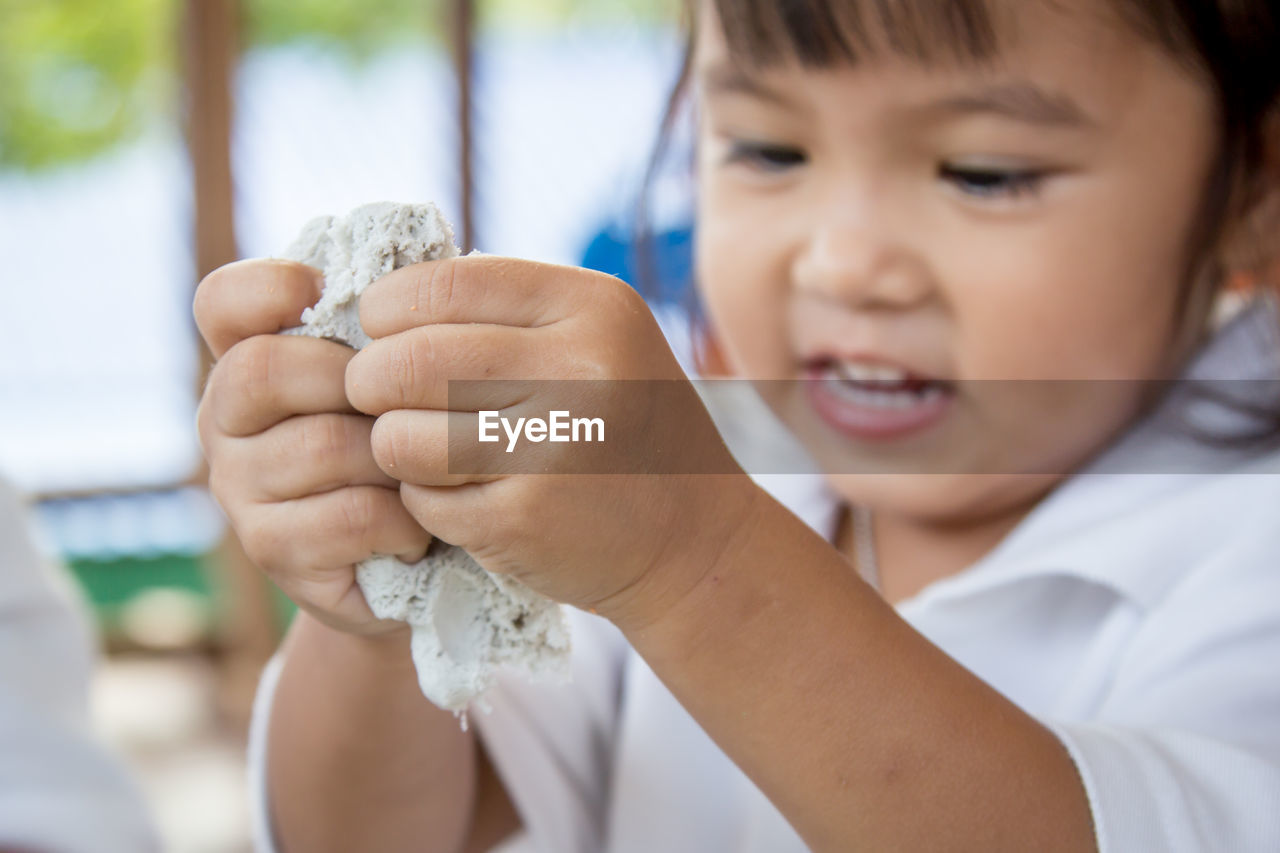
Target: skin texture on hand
598 541
289 457
466 623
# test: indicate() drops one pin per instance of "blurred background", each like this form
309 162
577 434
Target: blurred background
144 143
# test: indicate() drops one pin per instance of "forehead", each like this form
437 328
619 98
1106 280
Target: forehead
1078 52
931 34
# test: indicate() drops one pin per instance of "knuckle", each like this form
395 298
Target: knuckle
322 438
615 305
631 300
217 483
215 414
520 521
261 542
401 363
250 369
413 363
356 513
439 285
616 297
593 362
205 426
222 482
599 369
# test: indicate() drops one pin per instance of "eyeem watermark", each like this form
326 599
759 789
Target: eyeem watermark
559 427
996 426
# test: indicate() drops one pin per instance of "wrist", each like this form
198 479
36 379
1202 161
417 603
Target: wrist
695 555
381 649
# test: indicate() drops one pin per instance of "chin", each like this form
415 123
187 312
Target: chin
944 499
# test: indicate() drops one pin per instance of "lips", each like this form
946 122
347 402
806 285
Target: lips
874 400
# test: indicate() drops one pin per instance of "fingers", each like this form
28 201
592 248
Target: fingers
475 289
460 515
302 456
265 379
306 539
412 369
253 297
413 447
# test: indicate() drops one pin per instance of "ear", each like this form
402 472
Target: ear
1251 247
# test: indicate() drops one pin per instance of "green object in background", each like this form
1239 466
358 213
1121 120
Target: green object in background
112 583
117 586
149 565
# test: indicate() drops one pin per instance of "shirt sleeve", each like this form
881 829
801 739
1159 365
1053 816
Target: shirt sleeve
1174 791
551 744
1184 753
259 808
59 788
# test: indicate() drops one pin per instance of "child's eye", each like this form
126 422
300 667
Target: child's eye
991 182
762 155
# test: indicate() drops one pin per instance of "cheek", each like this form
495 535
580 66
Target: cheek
1068 302
742 279
1062 301
1089 290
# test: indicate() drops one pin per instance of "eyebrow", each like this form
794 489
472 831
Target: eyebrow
728 79
1020 101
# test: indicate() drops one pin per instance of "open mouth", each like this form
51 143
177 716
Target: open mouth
876 401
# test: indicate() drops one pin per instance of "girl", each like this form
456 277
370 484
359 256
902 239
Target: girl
899 203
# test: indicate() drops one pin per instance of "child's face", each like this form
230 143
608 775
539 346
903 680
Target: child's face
1028 219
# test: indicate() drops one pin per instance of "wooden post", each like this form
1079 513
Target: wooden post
210 49
462 37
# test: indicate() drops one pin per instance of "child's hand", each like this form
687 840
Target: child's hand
624 545
289 458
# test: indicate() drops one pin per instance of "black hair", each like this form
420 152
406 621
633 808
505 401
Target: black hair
1231 44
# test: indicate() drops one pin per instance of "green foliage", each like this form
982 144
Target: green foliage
560 12
358 28
76 76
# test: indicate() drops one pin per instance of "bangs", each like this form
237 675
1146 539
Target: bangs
826 33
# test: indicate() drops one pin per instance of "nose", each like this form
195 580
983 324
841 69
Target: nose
859 261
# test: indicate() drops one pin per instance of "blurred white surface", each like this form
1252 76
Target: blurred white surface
159 715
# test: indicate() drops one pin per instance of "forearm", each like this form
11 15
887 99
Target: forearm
358 759
861 732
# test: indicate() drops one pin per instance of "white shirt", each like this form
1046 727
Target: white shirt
60 792
1137 616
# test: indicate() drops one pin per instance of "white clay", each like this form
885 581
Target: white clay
465 621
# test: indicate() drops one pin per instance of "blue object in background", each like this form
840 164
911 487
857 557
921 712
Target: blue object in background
613 250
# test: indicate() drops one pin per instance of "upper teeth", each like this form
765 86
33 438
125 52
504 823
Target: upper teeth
862 372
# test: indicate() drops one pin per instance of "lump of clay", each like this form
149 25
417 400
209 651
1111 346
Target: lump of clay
465 621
